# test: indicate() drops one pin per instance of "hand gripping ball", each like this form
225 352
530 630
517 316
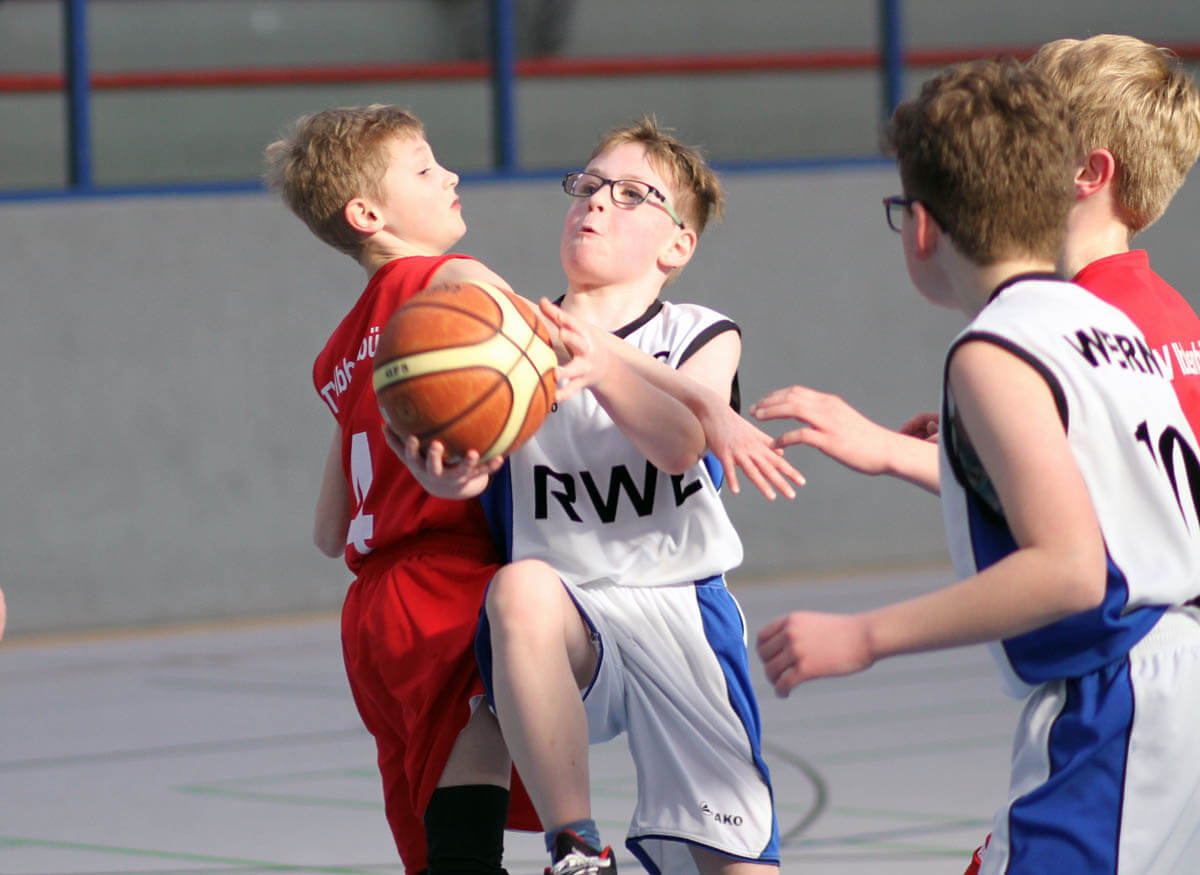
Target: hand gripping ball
467 364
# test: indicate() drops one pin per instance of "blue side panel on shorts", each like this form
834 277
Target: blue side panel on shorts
715 470
483 654
497 508
1071 822
724 629
1076 645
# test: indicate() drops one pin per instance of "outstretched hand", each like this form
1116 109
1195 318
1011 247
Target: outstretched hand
831 426
438 474
740 444
803 646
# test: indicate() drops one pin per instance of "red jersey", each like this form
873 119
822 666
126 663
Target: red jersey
390 506
1170 325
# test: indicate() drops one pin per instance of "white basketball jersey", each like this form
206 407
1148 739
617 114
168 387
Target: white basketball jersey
1135 450
582 498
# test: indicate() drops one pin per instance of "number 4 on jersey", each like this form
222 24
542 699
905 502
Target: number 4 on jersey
362 526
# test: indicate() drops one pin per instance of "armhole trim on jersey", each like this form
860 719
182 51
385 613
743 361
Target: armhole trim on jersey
1052 382
698 342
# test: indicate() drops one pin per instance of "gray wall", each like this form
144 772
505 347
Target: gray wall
161 443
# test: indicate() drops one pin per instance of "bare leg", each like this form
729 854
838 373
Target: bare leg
542 656
711 863
479 755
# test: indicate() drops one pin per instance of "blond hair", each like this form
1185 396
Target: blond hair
1137 101
987 148
331 157
698 191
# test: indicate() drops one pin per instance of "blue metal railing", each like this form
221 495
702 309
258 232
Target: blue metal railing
505 149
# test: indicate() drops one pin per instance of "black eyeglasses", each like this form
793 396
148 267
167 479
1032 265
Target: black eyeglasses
895 202
891 207
625 192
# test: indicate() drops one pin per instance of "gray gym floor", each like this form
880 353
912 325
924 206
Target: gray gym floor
236 749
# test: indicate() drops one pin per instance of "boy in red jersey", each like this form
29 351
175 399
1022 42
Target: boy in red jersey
365 181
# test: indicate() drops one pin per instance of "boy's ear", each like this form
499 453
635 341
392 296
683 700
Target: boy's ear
680 249
362 216
926 233
1098 169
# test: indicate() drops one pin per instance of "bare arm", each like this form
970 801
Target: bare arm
839 431
703 384
663 429
1057 570
333 504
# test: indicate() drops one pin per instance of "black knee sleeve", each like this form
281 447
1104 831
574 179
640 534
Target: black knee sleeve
464 828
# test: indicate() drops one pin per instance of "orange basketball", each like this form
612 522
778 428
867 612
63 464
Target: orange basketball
467 364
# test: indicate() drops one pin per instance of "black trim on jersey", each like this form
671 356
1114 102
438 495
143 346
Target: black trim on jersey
1060 398
653 310
708 334
1021 277
735 390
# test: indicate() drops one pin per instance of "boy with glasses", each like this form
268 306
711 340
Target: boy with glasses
1136 117
1074 545
613 615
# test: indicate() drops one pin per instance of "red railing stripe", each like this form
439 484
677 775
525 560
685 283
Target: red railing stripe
531 68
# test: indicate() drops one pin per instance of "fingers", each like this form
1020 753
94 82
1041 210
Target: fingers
777 658
807 436
788 402
394 441
922 425
551 311
730 467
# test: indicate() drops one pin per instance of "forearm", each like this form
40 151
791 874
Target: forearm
331 519
1028 589
914 460
659 425
701 400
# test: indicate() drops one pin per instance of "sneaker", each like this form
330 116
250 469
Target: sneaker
574 856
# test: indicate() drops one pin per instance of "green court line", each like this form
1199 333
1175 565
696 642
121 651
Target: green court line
145 853
286 777
816 780
896 715
229 789
911 750
256 688
906 814
261 796
874 837
142 753
884 852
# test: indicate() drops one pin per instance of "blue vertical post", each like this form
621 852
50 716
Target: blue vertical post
79 133
891 54
504 139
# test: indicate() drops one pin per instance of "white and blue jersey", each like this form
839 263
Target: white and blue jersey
643 555
581 497
1111 692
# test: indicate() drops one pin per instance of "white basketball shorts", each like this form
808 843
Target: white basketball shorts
674 676
1106 772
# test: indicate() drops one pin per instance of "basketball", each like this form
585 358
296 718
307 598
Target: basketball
467 364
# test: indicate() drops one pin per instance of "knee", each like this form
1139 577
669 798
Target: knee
520 594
